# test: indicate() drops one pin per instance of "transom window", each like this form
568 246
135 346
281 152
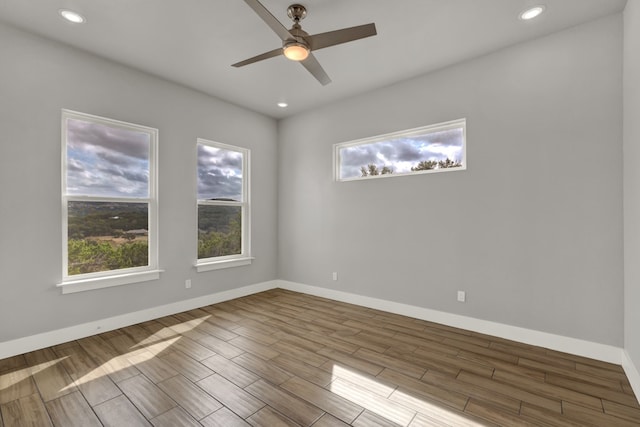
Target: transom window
434 148
223 206
109 204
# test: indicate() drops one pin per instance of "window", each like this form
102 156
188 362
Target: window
109 204
435 148
223 206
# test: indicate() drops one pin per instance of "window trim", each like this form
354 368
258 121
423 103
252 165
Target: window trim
103 279
438 127
244 257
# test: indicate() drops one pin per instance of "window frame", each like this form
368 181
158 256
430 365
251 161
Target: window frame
103 279
244 257
423 130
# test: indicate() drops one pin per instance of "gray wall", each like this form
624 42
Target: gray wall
38 78
632 180
532 230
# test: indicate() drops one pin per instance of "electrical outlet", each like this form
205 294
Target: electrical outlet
462 296
335 275
187 284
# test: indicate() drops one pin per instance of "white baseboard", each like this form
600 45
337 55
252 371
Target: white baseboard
59 336
633 374
574 346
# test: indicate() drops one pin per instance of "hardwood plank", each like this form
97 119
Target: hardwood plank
328 420
25 411
290 349
592 390
147 397
375 384
444 363
542 416
224 418
370 419
335 405
12 363
550 390
211 328
621 411
16 384
231 396
372 402
153 367
231 371
543 368
263 369
511 391
72 410
382 340
174 417
450 420
221 347
590 417
50 376
428 393
256 335
119 412
391 362
194 349
125 345
586 362
488 413
309 335
298 341
612 374
312 360
348 361
267 417
190 397
91 379
297 409
310 373
117 367
186 366
363 341
492 398
365 324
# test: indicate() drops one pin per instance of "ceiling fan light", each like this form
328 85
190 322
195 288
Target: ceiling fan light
296 51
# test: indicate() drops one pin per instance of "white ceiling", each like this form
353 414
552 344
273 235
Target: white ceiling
194 42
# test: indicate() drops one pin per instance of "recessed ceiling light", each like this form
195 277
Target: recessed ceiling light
532 12
283 104
72 16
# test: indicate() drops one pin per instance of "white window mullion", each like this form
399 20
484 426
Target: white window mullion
223 183
110 166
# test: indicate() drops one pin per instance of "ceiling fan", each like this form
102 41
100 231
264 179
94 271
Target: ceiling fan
297 44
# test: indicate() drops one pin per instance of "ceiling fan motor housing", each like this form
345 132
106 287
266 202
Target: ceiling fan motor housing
296 12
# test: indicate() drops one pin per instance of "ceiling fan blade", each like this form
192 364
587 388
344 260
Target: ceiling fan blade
262 56
332 38
269 19
313 66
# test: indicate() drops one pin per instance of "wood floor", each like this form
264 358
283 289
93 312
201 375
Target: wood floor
281 358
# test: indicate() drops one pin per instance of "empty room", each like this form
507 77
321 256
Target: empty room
432 219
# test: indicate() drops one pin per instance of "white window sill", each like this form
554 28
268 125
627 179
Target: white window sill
71 286
227 263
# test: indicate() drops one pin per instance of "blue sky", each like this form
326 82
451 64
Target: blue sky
401 154
219 173
106 161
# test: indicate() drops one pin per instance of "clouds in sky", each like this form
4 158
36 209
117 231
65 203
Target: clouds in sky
401 154
107 161
219 173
